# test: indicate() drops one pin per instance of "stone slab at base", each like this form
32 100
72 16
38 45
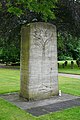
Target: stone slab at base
39 107
39 72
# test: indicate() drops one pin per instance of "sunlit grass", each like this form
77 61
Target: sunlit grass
9 80
69 85
11 112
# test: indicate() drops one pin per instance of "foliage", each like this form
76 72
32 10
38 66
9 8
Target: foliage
68 47
65 14
13 14
18 7
9 51
64 57
68 16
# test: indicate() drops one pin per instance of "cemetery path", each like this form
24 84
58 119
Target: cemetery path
69 75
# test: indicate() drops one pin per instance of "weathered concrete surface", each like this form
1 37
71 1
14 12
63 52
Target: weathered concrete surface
54 107
39 74
40 107
69 75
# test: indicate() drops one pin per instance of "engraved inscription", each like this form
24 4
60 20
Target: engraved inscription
41 38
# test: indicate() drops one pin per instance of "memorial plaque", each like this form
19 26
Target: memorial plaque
39 72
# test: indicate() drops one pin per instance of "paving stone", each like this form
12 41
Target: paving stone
54 107
69 75
41 107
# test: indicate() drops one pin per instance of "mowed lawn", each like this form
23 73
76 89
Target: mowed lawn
67 69
10 82
69 85
11 112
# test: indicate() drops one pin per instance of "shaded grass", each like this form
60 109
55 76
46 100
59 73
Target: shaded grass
67 69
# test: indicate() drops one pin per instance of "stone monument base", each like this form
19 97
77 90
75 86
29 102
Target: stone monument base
39 96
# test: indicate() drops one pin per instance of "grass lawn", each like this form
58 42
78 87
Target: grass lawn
10 82
69 114
67 69
69 85
11 112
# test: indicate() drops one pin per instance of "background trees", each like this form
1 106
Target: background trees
68 16
65 14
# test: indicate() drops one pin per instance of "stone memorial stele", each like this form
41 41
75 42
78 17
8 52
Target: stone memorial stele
39 71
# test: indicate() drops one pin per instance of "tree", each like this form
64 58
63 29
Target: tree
67 14
68 47
15 13
41 7
9 51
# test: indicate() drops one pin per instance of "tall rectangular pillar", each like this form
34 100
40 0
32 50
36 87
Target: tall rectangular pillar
39 72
